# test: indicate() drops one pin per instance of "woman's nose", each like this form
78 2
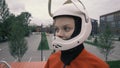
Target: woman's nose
60 34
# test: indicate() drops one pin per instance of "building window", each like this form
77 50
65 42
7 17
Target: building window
118 24
119 16
102 18
110 18
112 24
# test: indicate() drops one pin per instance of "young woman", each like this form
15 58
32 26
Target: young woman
72 27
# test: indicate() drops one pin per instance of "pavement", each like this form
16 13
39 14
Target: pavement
33 54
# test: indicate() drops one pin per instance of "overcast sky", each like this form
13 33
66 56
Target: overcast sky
38 8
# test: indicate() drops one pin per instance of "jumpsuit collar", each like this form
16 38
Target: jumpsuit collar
68 56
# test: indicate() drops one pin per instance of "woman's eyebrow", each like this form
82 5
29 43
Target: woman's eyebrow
67 25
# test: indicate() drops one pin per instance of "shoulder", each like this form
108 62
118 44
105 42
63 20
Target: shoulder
55 56
93 60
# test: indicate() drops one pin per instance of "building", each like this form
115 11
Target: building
94 23
111 19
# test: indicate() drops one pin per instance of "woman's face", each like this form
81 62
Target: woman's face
64 27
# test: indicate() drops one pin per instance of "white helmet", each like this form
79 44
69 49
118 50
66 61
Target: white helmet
73 9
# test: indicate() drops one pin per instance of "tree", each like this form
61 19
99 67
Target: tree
15 29
95 41
17 42
51 29
7 24
24 18
4 10
16 34
33 28
105 41
4 14
43 44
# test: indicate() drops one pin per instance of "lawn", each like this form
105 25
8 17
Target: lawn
114 64
44 42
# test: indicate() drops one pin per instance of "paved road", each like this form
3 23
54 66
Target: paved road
33 54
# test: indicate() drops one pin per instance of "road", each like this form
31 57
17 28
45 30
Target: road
33 54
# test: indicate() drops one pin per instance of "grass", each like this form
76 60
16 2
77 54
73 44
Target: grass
88 42
114 64
44 42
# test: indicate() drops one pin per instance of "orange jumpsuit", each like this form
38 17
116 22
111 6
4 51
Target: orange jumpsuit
83 60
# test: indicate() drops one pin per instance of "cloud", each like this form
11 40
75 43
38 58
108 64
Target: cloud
15 7
39 8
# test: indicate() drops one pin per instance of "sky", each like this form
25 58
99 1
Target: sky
39 8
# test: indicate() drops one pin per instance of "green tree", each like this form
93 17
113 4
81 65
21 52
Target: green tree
32 28
105 41
17 42
95 41
24 18
43 44
7 24
4 10
4 14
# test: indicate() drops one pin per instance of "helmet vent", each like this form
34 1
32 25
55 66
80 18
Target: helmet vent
57 46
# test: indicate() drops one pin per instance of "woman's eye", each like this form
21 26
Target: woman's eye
67 29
